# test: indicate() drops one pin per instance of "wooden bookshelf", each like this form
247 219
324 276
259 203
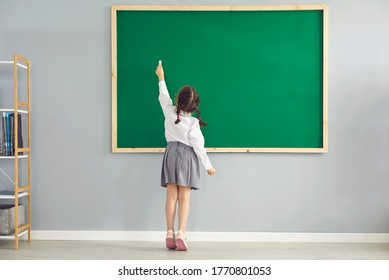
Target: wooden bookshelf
19 191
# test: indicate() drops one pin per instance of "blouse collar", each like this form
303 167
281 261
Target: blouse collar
185 114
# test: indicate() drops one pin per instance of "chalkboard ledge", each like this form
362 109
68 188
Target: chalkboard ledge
228 150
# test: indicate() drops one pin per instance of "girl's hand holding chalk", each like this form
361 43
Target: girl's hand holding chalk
159 71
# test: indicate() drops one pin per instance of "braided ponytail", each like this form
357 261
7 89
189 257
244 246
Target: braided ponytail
178 115
199 117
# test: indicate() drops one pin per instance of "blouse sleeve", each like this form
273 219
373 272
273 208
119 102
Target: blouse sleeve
164 98
196 138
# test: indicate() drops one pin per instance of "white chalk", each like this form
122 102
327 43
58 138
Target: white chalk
160 62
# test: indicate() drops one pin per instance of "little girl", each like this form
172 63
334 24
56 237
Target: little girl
180 167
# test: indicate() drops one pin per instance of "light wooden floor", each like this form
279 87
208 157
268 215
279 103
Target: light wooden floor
119 250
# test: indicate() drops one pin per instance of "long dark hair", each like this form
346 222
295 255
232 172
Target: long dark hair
188 101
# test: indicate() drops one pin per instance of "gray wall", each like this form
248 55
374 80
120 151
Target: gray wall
78 184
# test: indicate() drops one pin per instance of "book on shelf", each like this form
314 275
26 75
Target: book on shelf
3 134
8 134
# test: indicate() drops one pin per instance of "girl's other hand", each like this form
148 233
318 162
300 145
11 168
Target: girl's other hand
160 73
211 171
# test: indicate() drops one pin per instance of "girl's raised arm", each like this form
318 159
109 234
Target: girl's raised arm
164 97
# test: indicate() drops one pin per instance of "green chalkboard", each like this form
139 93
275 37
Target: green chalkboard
260 74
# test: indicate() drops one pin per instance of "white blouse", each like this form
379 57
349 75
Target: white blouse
187 131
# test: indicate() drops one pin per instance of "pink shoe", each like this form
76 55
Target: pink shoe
170 240
181 242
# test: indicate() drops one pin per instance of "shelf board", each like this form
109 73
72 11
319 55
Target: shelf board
12 236
13 110
11 194
11 62
13 157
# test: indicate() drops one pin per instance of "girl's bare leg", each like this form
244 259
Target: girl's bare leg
170 206
183 210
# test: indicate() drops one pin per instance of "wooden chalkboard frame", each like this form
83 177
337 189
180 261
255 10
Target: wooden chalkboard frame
323 8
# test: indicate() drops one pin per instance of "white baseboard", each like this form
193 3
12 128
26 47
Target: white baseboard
212 236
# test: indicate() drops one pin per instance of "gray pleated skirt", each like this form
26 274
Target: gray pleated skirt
180 166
